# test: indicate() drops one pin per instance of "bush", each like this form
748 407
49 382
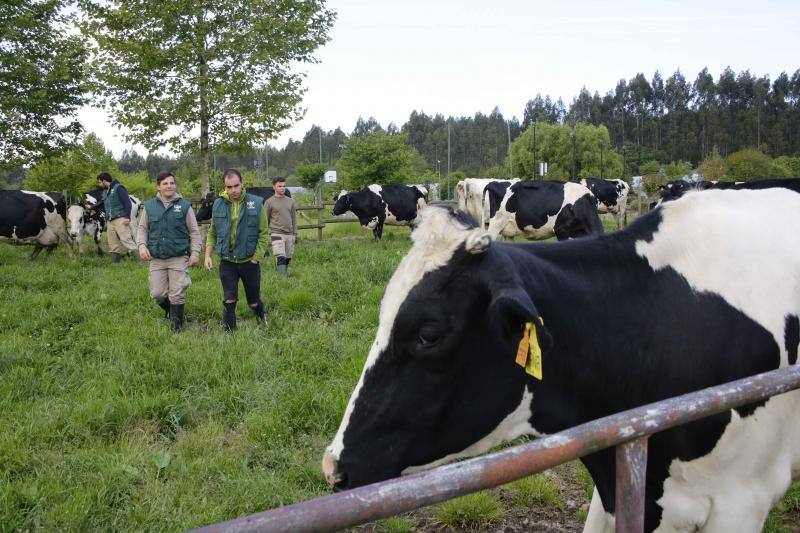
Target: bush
649 167
786 167
747 165
713 167
677 169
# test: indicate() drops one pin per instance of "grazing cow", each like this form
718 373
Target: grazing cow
93 200
376 205
82 221
541 209
38 218
207 202
470 197
612 197
712 295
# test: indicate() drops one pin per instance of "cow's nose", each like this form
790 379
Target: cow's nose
331 471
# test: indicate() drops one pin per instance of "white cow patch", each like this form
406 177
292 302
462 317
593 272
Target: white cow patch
436 239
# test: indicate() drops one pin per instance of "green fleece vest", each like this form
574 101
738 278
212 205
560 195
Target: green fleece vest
112 203
246 228
168 234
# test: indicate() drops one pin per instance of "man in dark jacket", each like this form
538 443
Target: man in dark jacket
239 234
117 206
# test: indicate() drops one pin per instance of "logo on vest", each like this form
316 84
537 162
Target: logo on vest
251 204
178 208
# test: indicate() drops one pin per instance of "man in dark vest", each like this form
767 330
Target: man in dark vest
169 238
117 206
239 234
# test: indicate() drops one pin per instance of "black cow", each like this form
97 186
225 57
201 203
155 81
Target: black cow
94 206
711 295
612 197
207 202
376 205
38 218
541 209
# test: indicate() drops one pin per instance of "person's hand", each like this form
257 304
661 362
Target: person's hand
194 260
254 261
126 221
208 263
144 253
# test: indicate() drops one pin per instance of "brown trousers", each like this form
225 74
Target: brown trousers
169 279
119 231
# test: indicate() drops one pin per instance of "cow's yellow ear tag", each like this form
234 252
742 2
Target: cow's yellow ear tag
529 353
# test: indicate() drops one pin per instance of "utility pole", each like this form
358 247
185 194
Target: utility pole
574 149
510 164
602 144
449 193
533 154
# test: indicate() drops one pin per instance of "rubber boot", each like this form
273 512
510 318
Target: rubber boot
134 254
283 270
115 257
166 307
176 314
229 317
258 310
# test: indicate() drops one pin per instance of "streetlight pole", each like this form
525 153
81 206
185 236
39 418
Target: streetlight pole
533 154
449 193
510 163
438 171
574 149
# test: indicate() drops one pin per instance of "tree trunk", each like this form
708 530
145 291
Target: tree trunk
204 115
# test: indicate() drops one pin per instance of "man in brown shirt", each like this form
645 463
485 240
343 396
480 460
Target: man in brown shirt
282 218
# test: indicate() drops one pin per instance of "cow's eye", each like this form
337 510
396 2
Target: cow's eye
429 334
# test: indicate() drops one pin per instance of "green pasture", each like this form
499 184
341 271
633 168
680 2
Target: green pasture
108 421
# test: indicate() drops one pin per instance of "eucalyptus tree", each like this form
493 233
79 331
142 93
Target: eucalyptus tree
196 75
41 80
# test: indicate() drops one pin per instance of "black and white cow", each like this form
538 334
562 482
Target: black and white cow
470 197
713 295
86 221
612 197
677 188
541 209
207 202
30 217
376 205
93 201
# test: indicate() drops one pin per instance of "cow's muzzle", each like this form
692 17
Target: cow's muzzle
335 479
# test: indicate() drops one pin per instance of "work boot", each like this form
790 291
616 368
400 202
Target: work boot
115 257
176 313
229 317
165 306
258 310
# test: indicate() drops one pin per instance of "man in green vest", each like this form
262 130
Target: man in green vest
117 207
239 235
169 238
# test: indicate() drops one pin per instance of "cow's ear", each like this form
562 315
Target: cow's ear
478 242
512 308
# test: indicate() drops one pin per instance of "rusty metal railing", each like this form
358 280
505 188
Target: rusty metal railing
628 431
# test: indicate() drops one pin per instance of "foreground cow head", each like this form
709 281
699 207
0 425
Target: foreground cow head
343 203
440 380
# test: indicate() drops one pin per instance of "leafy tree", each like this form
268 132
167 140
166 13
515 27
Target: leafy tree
200 75
677 169
41 80
748 164
649 167
713 167
73 172
131 161
377 158
786 166
310 174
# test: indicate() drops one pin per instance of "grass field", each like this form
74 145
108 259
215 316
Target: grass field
108 421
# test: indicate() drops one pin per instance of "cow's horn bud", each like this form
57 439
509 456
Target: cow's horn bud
478 242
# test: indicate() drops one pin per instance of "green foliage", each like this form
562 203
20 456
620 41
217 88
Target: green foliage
786 167
397 524
539 490
649 167
310 174
41 81
748 164
713 167
473 512
196 75
142 186
377 158
554 144
73 172
677 169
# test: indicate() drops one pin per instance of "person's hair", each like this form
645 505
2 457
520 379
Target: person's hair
164 174
104 176
232 172
277 179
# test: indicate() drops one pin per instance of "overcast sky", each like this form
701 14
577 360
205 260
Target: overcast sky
388 58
